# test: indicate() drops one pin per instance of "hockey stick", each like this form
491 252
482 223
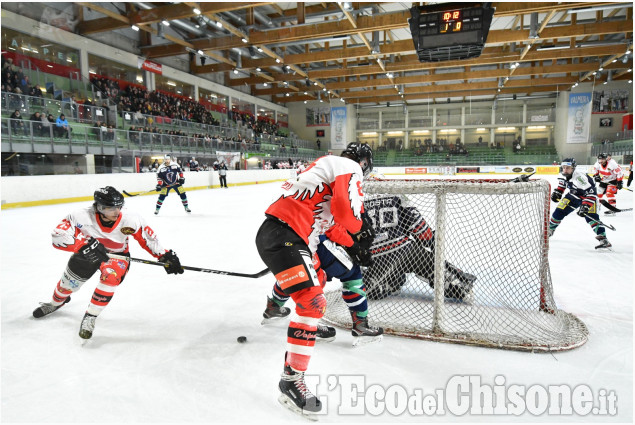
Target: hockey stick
626 188
612 208
142 193
608 226
194 269
522 178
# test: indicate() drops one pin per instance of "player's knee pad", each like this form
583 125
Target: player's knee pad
310 302
113 271
180 190
611 191
163 193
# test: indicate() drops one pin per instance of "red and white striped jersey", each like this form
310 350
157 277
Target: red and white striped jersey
329 191
612 171
71 233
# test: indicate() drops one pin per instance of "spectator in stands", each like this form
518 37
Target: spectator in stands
17 125
317 142
480 140
62 127
46 125
36 122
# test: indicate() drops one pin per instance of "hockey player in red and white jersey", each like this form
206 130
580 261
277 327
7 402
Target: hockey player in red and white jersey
327 196
608 174
92 233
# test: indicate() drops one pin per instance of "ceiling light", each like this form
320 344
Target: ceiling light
389 74
594 72
135 28
305 101
597 8
287 94
219 24
321 101
315 84
244 40
200 52
166 23
170 83
605 82
601 69
324 89
278 60
286 83
630 81
266 85
614 60
629 70
306 92
259 69
342 100
627 52
288 66
195 10
259 50
235 71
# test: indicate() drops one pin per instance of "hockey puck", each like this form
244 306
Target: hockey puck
242 339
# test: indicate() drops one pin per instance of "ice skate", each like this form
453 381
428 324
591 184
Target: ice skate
46 308
550 232
325 333
156 212
458 285
88 326
274 312
604 245
295 396
187 209
363 333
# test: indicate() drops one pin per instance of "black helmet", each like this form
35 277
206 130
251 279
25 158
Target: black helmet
108 197
570 162
361 153
603 156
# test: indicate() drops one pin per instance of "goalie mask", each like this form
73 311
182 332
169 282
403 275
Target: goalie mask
567 162
362 154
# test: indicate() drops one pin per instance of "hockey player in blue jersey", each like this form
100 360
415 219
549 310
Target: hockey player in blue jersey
170 176
404 243
583 195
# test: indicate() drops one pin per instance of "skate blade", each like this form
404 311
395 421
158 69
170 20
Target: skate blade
359 341
272 320
331 339
289 404
601 249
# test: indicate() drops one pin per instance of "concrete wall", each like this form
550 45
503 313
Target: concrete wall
25 191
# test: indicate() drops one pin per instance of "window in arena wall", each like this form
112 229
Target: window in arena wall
212 98
119 71
21 47
174 86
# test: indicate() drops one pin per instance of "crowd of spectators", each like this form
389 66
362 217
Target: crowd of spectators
15 81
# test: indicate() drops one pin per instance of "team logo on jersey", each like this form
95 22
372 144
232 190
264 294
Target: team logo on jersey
127 230
107 272
288 244
121 264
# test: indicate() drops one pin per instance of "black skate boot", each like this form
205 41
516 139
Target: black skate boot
295 396
458 285
45 308
88 326
274 312
325 333
363 333
187 209
604 245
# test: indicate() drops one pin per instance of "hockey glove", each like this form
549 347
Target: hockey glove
619 184
597 178
94 251
556 195
172 263
182 181
360 255
584 210
158 188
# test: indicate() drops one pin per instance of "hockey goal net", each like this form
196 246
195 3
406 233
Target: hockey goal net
497 232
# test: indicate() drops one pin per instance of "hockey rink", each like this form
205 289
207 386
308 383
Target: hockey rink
165 350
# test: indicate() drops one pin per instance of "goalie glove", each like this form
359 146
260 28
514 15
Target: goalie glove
172 263
584 209
94 251
556 196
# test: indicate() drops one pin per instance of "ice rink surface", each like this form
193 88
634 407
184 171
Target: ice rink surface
165 349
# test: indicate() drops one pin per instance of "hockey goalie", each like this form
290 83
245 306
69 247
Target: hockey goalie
405 243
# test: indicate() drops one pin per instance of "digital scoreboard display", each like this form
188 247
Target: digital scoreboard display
450 31
450 21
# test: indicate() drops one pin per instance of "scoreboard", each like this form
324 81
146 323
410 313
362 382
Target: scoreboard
450 31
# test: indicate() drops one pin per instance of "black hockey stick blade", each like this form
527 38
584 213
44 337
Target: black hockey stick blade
194 269
612 208
626 188
521 178
608 226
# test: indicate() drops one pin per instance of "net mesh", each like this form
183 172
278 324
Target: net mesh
491 235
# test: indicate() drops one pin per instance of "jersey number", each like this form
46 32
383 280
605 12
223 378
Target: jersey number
64 225
387 217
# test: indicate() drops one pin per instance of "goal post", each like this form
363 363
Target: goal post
495 231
